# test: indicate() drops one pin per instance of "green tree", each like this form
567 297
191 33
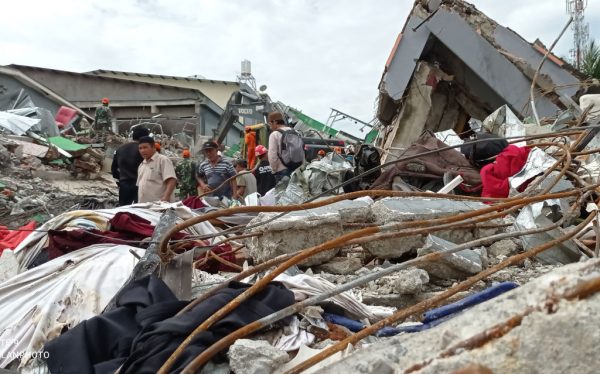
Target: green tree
590 64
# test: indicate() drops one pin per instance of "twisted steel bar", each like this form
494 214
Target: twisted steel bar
424 305
225 342
333 244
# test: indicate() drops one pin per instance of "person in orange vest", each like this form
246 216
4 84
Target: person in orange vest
250 140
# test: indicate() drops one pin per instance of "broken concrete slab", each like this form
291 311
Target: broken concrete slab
341 265
401 301
505 247
304 229
393 210
562 253
411 281
459 265
566 331
403 282
255 357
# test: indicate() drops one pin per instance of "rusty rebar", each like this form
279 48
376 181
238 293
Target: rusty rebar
581 291
407 158
226 341
164 241
333 244
238 277
424 305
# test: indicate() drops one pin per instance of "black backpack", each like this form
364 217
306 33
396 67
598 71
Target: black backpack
291 149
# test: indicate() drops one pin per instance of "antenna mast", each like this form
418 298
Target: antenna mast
575 9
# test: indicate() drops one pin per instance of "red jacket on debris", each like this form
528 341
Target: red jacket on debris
494 177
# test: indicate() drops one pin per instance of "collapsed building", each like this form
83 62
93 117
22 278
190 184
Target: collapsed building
422 274
451 63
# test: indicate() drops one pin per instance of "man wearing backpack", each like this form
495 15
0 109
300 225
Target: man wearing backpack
286 149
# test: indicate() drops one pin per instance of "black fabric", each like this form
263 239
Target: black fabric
126 161
142 332
480 154
128 192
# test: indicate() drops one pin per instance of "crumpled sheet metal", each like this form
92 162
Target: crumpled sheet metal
503 122
450 138
38 303
326 173
18 125
538 162
29 248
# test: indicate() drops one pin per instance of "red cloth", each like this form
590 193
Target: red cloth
125 227
136 226
193 202
61 242
213 266
10 239
494 177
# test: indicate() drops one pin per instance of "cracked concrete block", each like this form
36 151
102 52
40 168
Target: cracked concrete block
255 357
341 265
505 247
304 229
554 335
457 265
411 281
395 210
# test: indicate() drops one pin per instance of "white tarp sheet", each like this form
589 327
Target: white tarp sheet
31 246
38 303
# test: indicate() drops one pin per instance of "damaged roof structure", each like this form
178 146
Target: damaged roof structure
452 63
134 100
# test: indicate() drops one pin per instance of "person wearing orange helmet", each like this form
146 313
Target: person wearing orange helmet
265 180
320 154
103 120
186 176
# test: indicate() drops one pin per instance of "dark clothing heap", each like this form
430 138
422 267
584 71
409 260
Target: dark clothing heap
265 180
124 168
124 227
142 331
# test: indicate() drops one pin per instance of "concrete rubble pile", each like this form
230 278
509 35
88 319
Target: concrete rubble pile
474 249
42 176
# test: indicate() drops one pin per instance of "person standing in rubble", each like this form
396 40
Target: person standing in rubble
125 165
320 155
265 180
156 175
214 171
103 120
246 182
277 125
186 176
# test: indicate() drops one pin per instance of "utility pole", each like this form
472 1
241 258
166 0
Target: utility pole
575 9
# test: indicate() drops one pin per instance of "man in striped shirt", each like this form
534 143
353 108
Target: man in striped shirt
213 171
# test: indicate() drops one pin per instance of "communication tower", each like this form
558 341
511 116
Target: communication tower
575 9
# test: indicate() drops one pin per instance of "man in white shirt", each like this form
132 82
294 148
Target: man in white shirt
156 175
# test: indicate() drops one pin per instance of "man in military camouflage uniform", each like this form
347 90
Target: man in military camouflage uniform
186 176
103 120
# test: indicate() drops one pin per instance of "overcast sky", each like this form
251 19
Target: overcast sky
312 54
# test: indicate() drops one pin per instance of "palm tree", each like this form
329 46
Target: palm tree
590 64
